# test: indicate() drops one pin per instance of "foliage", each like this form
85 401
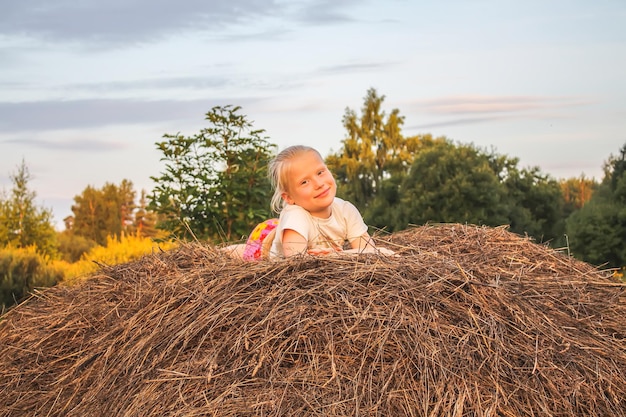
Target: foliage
99 213
22 223
461 183
373 151
576 193
596 231
24 269
21 271
397 181
215 183
449 183
116 251
384 211
535 203
145 221
73 246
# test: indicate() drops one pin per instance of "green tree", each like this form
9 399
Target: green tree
22 222
536 203
384 210
461 183
100 213
596 231
450 183
215 183
397 181
373 150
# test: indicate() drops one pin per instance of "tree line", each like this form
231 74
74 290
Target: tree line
214 187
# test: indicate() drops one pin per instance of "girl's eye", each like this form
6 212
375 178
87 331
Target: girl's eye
320 172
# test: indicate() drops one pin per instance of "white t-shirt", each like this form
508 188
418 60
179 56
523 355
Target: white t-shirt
344 224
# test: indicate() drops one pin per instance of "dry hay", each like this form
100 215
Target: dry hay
469 321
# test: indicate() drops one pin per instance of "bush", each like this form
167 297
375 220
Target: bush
117 251
72 246
21 271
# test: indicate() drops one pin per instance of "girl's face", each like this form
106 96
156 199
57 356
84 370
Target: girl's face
310 184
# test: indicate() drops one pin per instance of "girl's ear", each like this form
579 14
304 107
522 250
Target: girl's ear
286 198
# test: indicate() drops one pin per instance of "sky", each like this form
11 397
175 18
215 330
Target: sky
87 88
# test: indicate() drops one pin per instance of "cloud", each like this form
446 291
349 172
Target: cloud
192 84
456 122
80 145
255 35
325 12
466 110
44 115
123 21
355 68
495 104
171 83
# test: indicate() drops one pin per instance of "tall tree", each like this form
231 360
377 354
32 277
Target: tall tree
99 213
123 199
144 224
22 222
373 150
385 208
215 183
596 231
576 193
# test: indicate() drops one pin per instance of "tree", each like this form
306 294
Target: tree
449 183
373 151
576 193
100 213
22 223
397 181
596 231
384 210
536 203
215 183
145 221
461 183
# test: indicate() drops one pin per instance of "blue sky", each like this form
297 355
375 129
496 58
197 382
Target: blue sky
87 88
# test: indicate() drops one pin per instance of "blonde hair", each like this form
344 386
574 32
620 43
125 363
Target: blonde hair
278 172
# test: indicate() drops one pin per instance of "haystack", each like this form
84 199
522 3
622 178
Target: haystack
467 321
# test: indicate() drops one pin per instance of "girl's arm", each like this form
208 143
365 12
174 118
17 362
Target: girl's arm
363 243
293 243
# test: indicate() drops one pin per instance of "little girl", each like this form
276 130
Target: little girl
312 220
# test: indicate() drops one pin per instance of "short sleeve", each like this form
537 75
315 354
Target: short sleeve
355 225
294 218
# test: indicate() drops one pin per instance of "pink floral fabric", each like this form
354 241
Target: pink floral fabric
254 245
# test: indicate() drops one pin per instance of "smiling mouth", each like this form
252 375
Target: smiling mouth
323 193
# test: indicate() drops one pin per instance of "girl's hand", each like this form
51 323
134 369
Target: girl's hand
323 251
